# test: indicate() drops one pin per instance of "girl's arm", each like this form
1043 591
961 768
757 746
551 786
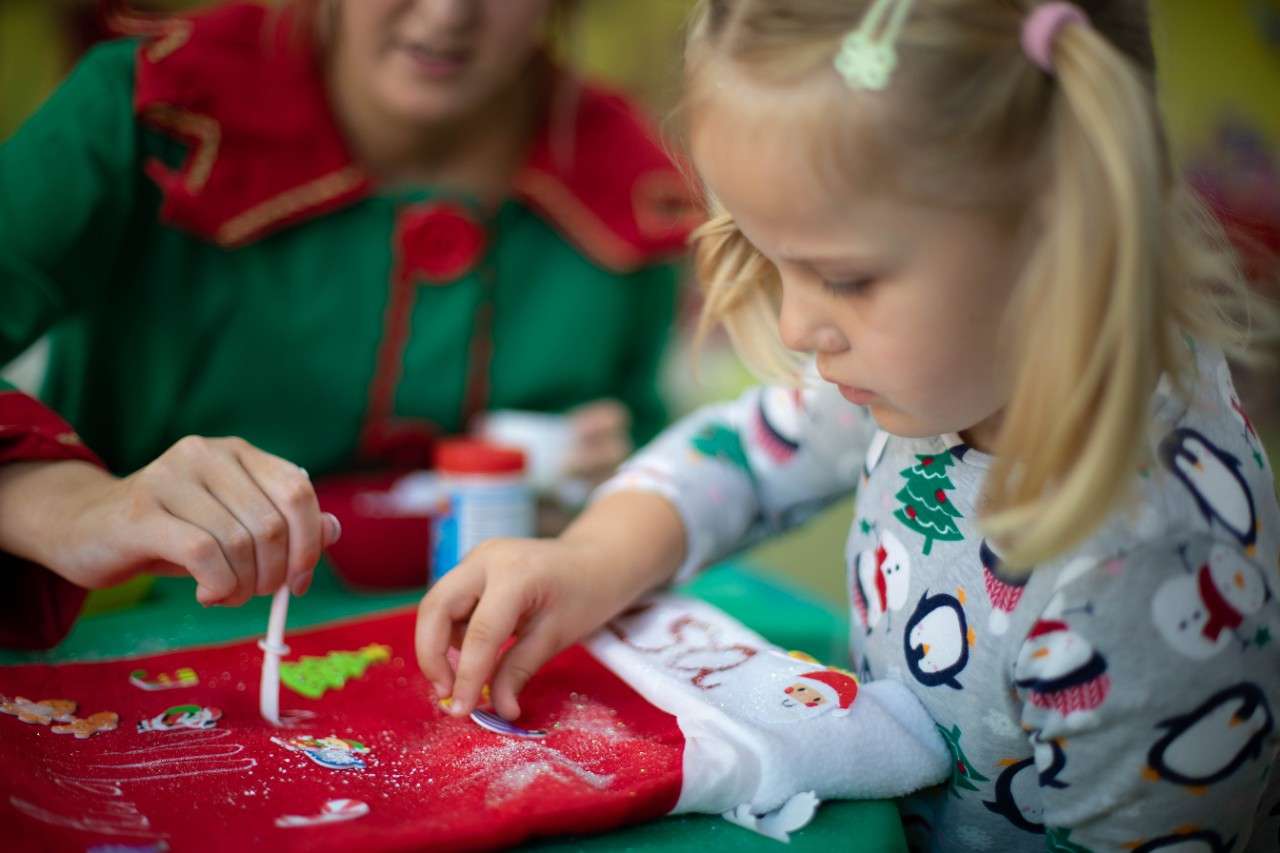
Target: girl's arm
741 471
719 478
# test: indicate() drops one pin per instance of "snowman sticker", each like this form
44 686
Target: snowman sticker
1198 612
881 580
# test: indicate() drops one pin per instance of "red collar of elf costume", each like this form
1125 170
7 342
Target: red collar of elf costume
240 85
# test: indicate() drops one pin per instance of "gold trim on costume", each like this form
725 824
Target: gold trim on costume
167 34
203 128
258 218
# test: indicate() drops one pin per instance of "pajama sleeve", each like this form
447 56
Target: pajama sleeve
37 607
743 470
1147 686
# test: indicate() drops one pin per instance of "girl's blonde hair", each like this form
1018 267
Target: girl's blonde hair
1126 264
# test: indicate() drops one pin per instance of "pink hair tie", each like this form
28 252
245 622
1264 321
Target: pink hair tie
1040 30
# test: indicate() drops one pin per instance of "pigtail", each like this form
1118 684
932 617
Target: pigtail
1093 332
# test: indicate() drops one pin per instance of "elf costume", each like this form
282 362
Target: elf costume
185 221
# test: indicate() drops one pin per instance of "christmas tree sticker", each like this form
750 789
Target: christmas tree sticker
311 676
963 774
926 509
717 441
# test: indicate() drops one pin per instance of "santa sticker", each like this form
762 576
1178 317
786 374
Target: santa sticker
821 691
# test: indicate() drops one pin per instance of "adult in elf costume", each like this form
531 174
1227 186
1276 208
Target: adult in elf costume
334 232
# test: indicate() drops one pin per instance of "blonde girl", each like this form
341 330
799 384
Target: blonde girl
962 213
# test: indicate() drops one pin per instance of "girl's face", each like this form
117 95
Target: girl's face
430 61
901 302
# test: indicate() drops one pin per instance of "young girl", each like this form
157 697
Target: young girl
334 230
1065 537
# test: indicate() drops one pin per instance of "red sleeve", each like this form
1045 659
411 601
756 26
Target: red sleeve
37 607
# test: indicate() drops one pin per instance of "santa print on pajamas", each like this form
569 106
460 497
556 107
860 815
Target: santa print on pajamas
1120 697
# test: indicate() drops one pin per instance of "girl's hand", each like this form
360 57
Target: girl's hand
533 589
547 593
240 521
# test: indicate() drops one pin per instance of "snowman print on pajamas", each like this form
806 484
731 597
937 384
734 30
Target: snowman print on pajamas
1198 612
1062 672
880 580
775 425
1003 589
1212 476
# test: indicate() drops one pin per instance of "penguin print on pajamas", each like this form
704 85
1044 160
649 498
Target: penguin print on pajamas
1062 672
881 580
1017 796
937 640
1197 613
1191 840
776 422
1050 759
1213 477
1214 740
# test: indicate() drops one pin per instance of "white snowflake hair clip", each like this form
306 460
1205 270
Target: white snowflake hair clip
868 54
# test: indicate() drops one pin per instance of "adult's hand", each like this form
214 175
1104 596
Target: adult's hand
240 521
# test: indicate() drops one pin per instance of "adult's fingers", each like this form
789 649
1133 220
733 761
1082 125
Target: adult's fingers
290 490
198 507
179 543
231 484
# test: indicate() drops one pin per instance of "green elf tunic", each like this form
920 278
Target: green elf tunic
184 219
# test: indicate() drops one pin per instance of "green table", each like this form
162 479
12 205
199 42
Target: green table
170 619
